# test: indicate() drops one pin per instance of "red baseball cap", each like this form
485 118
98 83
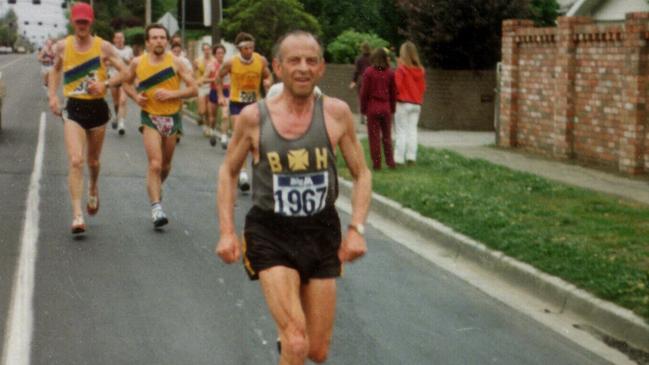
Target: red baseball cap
82 11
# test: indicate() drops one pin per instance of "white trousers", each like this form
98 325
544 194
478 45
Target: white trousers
406 119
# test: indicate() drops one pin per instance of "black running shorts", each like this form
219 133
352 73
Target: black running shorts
306 244
88 114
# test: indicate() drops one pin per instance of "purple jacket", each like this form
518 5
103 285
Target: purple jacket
378 92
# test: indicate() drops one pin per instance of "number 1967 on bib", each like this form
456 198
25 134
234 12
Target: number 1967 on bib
300 195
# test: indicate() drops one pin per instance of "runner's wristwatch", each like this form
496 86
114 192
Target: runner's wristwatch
360 228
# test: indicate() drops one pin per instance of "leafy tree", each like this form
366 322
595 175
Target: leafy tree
134 35
266 20
8 29
459 34
544 12
370 16
345 48
467 34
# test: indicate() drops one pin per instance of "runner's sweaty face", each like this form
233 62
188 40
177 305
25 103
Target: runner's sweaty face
247 50
118 40
300 65
81 28
219 54
157 41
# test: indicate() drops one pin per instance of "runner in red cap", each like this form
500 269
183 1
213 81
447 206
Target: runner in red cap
80 57
82 11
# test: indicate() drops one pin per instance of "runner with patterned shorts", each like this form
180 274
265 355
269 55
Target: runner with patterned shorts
158 74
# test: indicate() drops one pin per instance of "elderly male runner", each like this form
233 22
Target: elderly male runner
159 74
125 52
292 238
247 70
81 58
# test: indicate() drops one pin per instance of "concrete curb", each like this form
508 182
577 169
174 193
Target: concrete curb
615 321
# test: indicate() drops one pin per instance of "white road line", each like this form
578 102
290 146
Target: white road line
18 334
12 62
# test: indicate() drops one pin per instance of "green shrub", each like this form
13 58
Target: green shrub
134 35
346 47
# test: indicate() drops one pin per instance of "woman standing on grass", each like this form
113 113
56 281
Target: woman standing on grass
410 79
378 98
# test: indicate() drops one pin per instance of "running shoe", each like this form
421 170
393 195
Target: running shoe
78 226
224 141
113 122
93 204
159 217
244 185
213 140
120 127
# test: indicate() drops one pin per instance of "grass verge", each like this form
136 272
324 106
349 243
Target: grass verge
597 242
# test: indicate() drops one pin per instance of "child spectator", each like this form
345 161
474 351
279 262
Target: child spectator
378 98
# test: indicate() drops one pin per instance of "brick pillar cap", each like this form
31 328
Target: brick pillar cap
564 20
640 15
510 25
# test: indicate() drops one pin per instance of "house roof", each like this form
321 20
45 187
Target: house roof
565 5
607 10
583 7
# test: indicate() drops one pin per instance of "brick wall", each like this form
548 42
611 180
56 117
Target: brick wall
577 91
459 100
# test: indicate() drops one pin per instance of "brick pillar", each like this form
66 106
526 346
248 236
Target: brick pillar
632 132
507 126
564 92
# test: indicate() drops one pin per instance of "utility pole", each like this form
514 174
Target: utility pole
182 21
216 18
147 12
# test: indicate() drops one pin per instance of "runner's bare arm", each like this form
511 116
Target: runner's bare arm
225 69
129 83
116 61
186 76
54 78
353 246
242 143
208 70
267 76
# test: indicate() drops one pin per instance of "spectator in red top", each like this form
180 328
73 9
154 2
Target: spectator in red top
410 78
378 98
361 64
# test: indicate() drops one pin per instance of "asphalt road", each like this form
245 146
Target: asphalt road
127 294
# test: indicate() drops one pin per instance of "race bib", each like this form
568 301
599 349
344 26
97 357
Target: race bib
164 124
300 195
247 97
